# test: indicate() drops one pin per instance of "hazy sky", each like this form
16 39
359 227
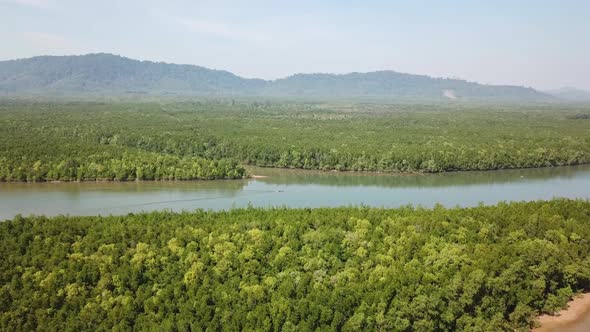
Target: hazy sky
544 44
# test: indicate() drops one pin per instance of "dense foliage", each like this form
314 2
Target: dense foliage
41 146
117 166
351 269
163 140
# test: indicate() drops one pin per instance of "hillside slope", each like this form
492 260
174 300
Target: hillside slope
114 75
570 94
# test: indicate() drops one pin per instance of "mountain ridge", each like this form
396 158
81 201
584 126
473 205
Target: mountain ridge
104 73
570 94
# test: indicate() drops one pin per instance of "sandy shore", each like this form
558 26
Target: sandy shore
577 308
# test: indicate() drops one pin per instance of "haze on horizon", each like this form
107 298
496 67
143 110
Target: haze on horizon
531 43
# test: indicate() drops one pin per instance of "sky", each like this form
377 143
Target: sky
537 43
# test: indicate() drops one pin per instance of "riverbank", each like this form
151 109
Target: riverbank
132 180
577 310
262 172
299 189
257 176
267 171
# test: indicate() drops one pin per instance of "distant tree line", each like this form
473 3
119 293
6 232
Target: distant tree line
204 140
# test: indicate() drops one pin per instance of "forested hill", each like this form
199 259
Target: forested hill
570 94
109 74
398 85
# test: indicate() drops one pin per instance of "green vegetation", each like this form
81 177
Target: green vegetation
39 145
107 74
111 165
209 139
489 268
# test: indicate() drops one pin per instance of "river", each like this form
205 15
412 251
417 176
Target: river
298 188
295 188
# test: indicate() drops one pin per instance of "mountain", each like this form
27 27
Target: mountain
570 94
108 74
392 84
